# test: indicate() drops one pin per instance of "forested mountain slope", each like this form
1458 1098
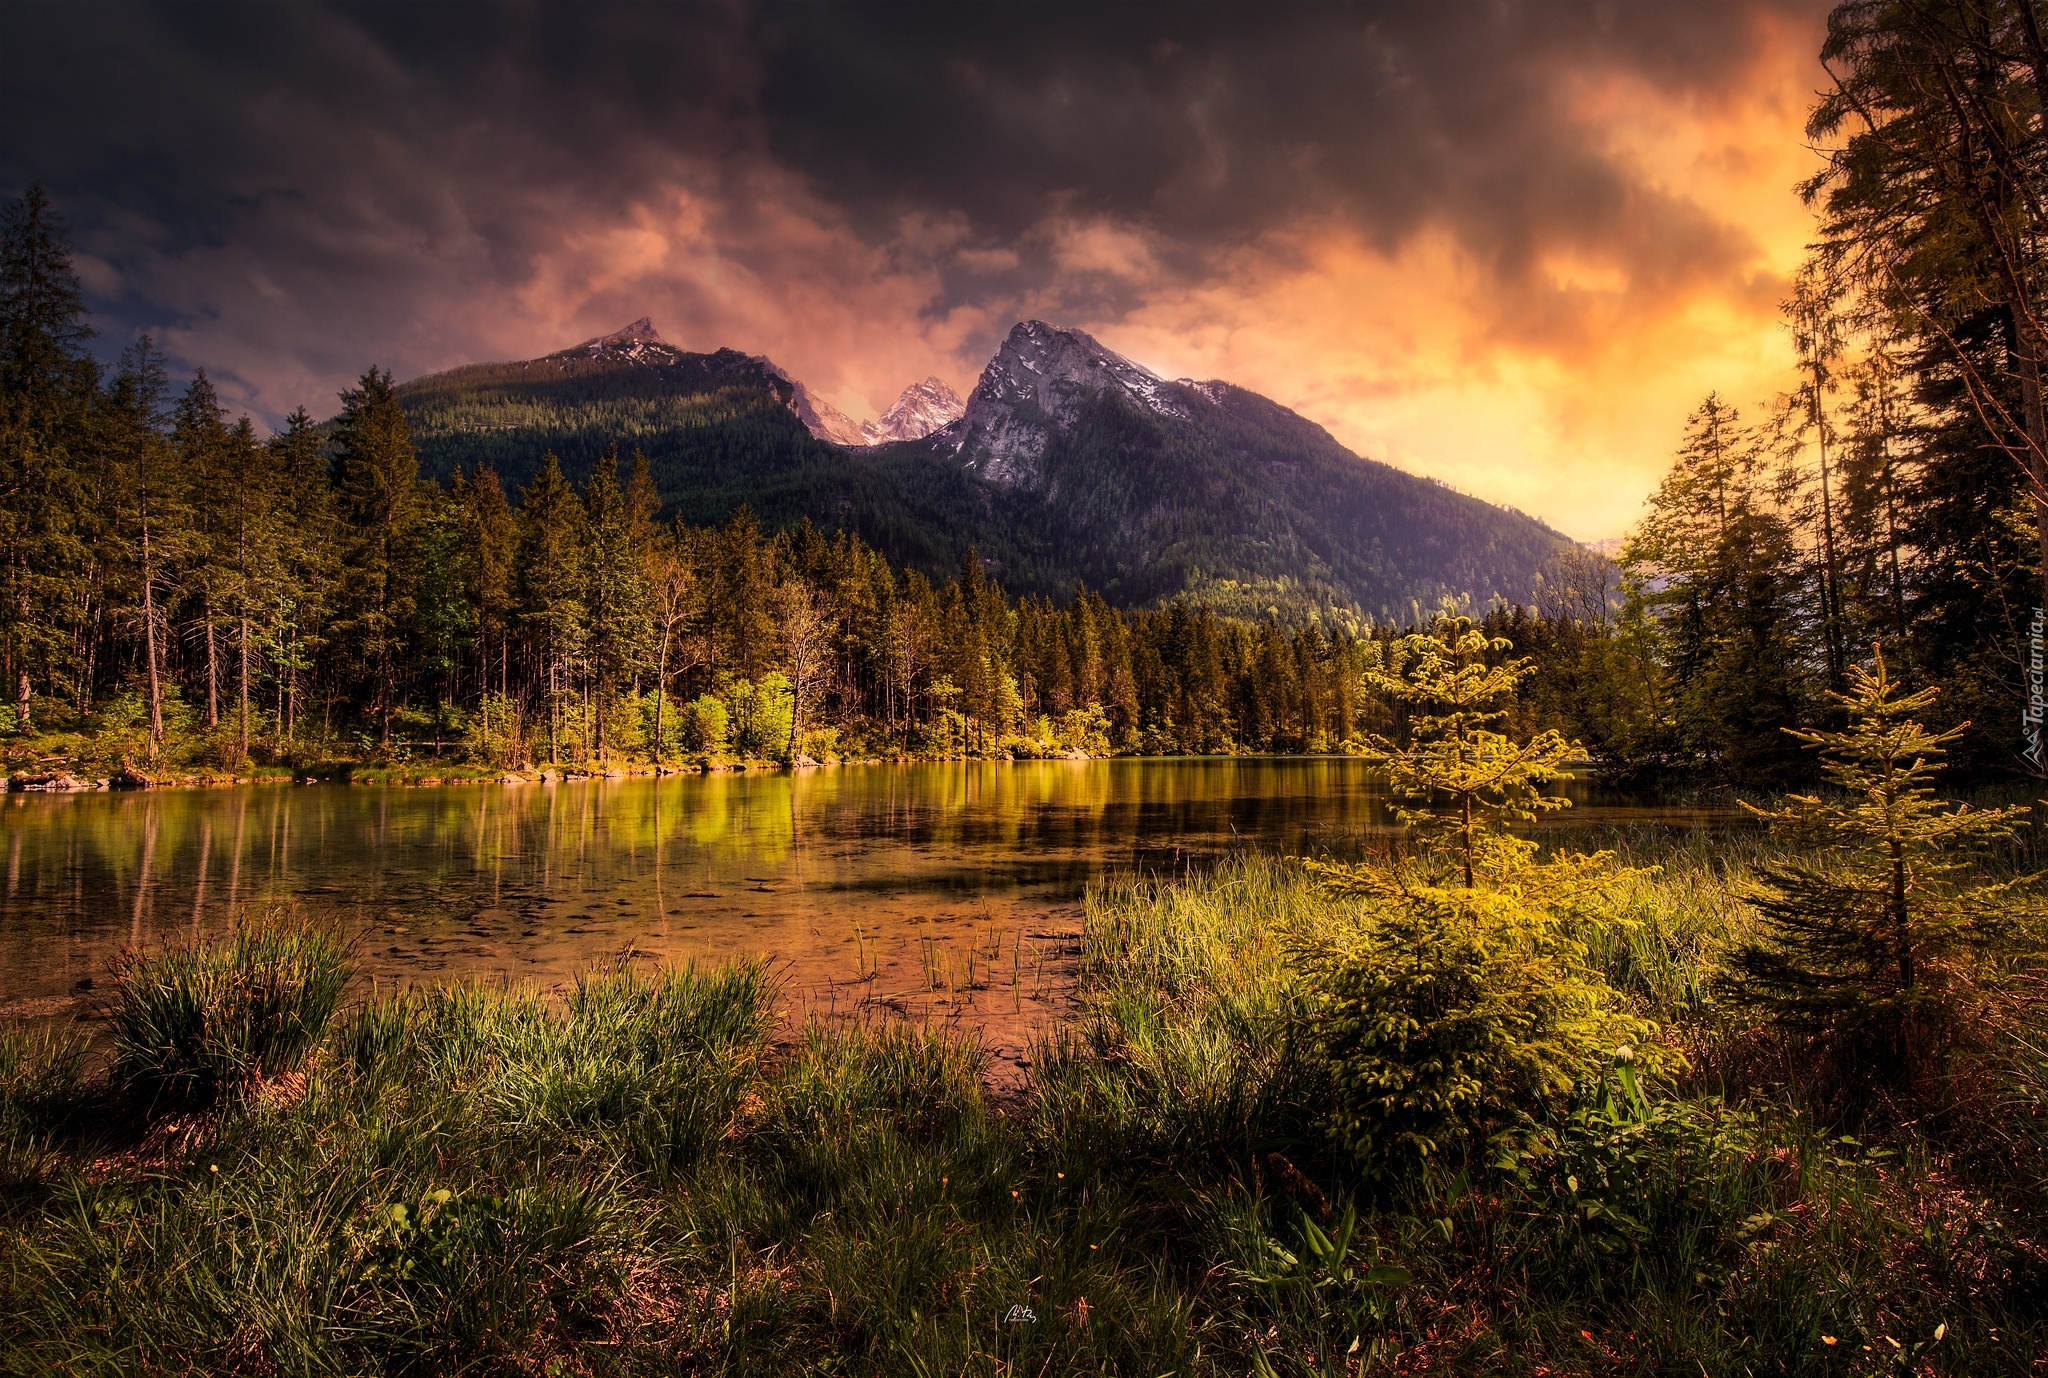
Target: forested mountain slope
1069 464
718 429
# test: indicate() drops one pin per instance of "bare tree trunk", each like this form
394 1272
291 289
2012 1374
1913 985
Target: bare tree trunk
661 693
149 637
2029 360
212 669
1831 590
244 686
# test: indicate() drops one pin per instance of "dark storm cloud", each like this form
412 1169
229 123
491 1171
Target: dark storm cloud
1212 123
286 192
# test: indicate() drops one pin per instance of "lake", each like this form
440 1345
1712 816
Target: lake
948 890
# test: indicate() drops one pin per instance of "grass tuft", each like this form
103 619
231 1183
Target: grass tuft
192 1022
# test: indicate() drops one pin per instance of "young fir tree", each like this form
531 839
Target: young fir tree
1875 938
1456 700
1454 1018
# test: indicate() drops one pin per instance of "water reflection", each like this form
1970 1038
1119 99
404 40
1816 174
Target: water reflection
852 878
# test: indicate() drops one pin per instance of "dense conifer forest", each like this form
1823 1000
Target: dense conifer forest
177 588
182 590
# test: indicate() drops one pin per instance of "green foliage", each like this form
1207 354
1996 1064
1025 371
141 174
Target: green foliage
495 734
759 715
1323 1276
1454 1020
192 1022
1629 1173
1457 698
41 1075
705 726
1879 939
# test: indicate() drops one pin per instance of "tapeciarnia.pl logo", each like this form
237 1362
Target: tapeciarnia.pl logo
2037 682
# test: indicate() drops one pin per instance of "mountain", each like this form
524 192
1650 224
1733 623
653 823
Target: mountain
1067 462
923 408
820 417
718 429
1151 487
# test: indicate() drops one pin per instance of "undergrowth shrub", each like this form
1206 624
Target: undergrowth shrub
449 1280
1454 1020
193 1021
1630 1178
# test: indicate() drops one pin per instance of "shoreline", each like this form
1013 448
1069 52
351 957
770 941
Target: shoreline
56 780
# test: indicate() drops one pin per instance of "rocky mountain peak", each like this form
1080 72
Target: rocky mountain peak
1037 381
628 339
1036 357
923 408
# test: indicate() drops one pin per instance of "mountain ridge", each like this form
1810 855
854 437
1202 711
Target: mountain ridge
1066 463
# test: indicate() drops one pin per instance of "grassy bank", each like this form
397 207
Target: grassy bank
639 1180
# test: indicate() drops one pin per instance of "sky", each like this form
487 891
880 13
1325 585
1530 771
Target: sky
1506 245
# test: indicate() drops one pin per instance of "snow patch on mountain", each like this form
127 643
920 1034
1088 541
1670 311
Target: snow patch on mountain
923 408
822 419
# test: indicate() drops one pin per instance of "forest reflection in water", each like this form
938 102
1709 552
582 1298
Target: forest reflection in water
943 889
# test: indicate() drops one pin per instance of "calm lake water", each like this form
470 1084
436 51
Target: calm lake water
949 890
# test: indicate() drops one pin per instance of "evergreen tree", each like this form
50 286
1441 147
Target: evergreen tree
1873 939
258 538
153 519
616 597
48 423
377 491
443 626
1930 198
1456 697
210 469
1722 560
549 593
676 592
742 584
304 598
